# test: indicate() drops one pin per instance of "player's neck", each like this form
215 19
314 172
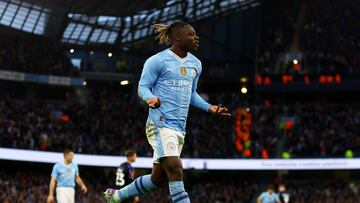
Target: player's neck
67 163
178 51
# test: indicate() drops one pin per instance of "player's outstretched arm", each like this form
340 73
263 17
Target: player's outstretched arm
200 103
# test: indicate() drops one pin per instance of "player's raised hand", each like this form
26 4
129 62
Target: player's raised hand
219 110
154 103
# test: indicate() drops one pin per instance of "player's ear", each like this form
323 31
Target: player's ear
176 37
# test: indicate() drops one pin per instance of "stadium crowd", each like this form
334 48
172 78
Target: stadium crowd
328 43
26 187
33 187
325 192
109 126
106 125
20 186
323 129
278 26
34 55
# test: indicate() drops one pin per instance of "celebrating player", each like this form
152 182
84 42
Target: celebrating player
125 173
168 85
64 176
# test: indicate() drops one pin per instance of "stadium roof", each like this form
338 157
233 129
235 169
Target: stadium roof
101 7
86 22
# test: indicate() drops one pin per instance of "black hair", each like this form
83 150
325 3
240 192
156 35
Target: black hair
164 31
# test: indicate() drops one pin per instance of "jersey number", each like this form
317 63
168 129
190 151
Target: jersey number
120 177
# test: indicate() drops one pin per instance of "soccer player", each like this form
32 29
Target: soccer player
269 196
125 173
284 195
64 176
168 85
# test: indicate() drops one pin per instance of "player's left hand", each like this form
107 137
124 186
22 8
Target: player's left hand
219 110
84 189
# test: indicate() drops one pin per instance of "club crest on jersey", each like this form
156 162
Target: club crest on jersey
193 72
183 71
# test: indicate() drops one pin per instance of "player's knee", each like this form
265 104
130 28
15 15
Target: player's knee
174 173
159 181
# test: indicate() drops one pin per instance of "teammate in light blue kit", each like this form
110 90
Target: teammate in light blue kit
168 85
269 197
64 176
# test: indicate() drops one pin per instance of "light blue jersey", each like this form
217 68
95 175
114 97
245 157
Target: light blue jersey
174 81
65 174
267 198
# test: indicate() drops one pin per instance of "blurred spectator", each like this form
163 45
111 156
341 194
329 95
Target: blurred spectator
33 187
324 129
327 192
329 42
106 125
34 55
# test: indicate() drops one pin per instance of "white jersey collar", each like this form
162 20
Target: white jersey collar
181 60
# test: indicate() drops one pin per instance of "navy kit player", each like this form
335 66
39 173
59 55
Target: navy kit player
168 85
125 173
284 195
64 176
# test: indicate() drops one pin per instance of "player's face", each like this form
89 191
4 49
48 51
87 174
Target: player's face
188 39
69 157
133 158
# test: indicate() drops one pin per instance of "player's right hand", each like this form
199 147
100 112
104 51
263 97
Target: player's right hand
154 103
50 199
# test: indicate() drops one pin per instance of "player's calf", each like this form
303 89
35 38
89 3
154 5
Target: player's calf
140 186
174 171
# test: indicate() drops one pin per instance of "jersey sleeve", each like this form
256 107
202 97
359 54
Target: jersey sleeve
148 78
54 172
261 197
196 100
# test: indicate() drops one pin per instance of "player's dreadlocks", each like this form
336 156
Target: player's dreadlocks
164 31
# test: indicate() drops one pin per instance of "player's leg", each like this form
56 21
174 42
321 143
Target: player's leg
174 170
172 142
61 195
142 185
158 175
71 195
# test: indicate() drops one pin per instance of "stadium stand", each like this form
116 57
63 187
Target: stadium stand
49 126
309 128
327 42
30 186
32 54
